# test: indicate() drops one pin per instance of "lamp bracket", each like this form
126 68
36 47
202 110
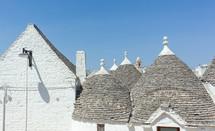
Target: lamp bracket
29 52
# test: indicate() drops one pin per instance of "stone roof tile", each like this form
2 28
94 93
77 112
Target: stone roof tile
103 98
127 74
169 81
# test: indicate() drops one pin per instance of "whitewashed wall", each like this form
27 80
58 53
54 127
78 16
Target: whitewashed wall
164 120
50 82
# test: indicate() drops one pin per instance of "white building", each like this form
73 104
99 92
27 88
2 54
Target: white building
167 97
49 93
42 95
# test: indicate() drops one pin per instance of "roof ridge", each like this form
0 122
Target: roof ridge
68 63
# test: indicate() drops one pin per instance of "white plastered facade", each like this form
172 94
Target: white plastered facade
51 87
160 118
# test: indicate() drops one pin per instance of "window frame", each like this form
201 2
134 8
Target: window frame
159 128
98 126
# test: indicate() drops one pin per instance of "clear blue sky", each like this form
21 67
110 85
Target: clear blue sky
107 28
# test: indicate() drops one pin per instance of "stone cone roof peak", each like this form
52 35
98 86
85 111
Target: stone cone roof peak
103 99
125 61
168 80
209 74
166 50
114 67
102 69
126 73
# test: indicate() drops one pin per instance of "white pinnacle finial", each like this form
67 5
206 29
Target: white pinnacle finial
125 61
126 53
165 38
102 70
138 59
139 65
166 50
114 67
102 62
114 61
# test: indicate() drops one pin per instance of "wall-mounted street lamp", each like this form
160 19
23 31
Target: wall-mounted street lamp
27 54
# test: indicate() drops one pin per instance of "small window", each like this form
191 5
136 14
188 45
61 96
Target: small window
100 127
168 129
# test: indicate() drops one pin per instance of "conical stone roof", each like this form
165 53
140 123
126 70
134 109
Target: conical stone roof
209 74
170 81
103 98
127 73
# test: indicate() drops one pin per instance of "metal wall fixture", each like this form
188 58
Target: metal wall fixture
27 54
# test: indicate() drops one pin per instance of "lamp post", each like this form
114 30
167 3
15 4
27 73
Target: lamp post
26 54
4 101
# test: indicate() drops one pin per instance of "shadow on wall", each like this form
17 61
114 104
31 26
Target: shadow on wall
41 87
43 92
145 129
78 89
131 129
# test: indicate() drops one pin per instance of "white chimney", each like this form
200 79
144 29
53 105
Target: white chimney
81 65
